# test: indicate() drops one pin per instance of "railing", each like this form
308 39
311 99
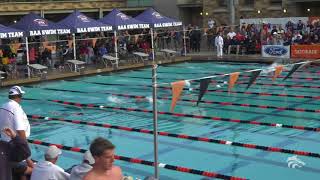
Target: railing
186 2
138 3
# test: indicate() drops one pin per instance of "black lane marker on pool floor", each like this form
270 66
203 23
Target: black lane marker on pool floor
183 136
145 162
276 125
279 108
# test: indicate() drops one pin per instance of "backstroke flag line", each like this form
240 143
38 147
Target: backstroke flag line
277 72
232 80
204 83
177 88
253 77
293 69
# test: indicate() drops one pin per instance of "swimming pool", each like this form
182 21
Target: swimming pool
263 102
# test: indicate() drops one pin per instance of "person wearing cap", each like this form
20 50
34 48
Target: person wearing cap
47 169
102 151
79 171
14 151
13 116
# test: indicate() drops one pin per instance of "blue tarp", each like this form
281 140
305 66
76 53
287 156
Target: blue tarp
80 23
34 25
7 32
120 21
156 20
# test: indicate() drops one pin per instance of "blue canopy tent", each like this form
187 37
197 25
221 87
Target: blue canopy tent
120 21
35 25
8 32
80 23
156 20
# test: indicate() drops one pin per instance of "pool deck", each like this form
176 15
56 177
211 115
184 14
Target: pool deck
92 70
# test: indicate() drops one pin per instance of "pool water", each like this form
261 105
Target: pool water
224 159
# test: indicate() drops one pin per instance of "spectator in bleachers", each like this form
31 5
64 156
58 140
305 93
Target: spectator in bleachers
274 30
79 171
231 34
47 169
300 25
315 39
234 44
102 151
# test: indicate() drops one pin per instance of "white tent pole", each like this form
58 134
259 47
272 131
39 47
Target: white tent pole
115 43
152 44
27 54
155 120
74 46
184 42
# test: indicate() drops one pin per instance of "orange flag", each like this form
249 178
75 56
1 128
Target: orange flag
94 41
277 72
232 80
70 43
177 88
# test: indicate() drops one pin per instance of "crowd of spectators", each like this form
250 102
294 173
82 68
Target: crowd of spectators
243 39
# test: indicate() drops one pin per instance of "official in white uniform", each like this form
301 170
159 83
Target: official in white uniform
219 44
13 116
47 169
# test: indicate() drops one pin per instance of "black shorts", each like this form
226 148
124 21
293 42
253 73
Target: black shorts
18 169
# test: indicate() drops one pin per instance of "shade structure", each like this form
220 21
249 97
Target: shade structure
35 25
120 21
80 23
156 20
7 32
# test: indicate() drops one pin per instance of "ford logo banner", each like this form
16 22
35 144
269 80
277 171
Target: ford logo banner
275 50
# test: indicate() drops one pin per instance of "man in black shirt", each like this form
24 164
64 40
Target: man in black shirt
15 150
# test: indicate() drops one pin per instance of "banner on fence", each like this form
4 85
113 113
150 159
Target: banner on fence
276 51
305 51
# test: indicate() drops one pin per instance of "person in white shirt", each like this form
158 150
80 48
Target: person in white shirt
79 171
48 170
211 23
219 44
13 116
231 34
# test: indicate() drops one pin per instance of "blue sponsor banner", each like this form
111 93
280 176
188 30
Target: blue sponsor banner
276 51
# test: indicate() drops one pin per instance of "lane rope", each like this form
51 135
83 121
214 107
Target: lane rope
280 108
212 90
215 118
241 83
145 162
241 75
182 136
